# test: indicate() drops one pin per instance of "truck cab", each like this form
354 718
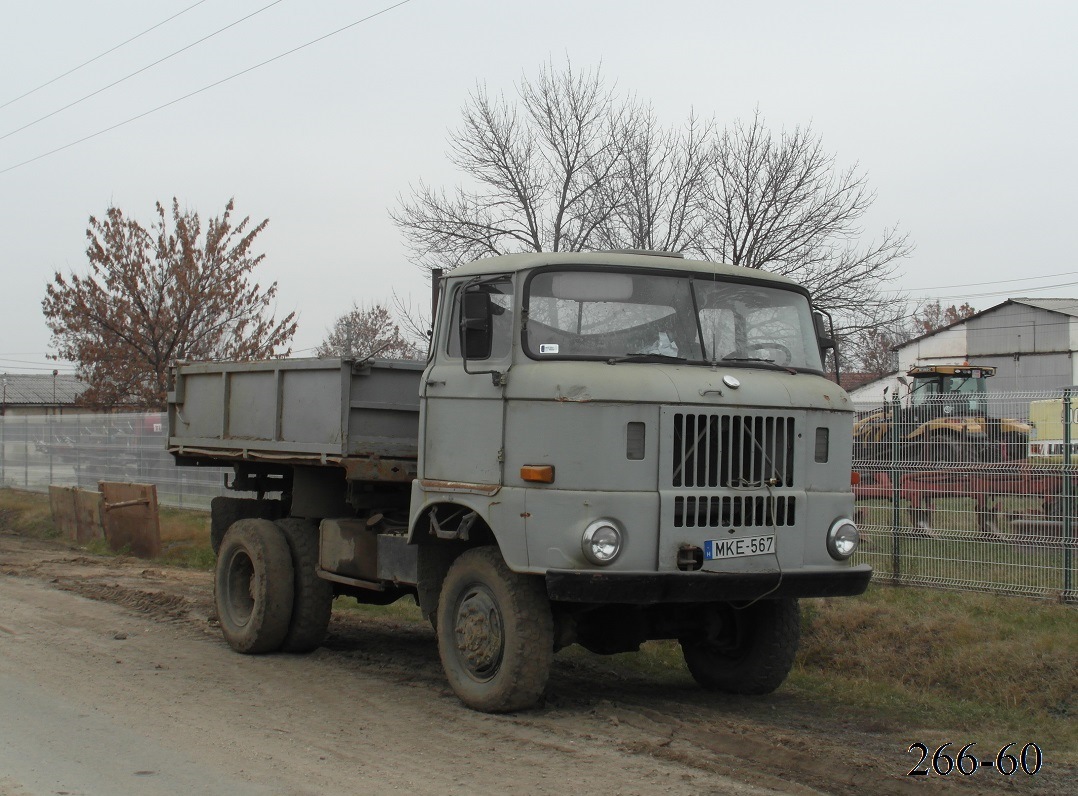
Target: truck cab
653 438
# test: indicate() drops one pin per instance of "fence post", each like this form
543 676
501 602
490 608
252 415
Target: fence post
896 509
3 450
26 450
1068 502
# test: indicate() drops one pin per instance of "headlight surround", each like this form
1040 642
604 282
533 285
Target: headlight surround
842 539
602 541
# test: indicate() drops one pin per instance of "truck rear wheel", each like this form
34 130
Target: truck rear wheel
745 651
495 633
253 586
312 601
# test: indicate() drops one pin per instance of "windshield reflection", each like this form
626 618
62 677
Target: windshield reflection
643 317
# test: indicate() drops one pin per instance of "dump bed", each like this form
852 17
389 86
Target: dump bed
319 411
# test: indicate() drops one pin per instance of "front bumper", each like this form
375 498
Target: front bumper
637 588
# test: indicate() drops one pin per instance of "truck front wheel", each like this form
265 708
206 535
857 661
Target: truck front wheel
495 633
253 586
744 651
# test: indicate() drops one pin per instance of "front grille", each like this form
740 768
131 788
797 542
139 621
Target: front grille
733 511
732 450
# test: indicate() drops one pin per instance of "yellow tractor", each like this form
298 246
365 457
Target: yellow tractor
944 419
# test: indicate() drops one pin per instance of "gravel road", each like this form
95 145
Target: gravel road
114 679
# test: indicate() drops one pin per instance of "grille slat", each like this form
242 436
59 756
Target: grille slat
734 511
716 450
728 450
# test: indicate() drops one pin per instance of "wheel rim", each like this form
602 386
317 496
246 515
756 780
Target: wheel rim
239 600
479 633
727 636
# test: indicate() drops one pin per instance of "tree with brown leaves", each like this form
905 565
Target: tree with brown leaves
160 294
366 333
932 316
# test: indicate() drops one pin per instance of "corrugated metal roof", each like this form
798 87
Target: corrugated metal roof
36 389
1066 306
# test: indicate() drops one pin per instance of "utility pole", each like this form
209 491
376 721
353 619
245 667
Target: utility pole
52 435
3 435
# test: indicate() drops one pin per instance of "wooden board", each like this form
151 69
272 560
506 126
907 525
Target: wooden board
130 518
88 511
64 513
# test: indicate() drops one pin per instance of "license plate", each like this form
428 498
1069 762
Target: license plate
737 548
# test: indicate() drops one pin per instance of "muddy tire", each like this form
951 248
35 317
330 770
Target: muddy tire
495 633
312 600
748 651
1015 446
252 586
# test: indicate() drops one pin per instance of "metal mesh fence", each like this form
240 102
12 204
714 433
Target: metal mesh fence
970 491
82 449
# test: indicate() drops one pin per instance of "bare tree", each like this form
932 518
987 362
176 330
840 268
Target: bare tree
572 165
157 294
541 169
657 192
366 332
781 204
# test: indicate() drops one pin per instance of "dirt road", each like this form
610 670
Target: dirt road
114 679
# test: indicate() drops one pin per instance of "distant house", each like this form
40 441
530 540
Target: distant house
37 394
1030 342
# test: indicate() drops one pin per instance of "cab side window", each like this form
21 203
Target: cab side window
497 297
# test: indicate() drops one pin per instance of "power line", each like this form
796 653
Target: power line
206 88
973 284
965 296
102 55
67 370
139 71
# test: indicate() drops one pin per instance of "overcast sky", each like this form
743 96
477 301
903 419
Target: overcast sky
964 115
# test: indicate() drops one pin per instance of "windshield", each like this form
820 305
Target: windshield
941 389
614 315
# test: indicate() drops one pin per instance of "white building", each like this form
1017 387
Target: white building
1030 342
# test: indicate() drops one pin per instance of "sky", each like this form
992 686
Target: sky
963 116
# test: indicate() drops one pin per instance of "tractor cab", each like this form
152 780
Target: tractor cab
954 390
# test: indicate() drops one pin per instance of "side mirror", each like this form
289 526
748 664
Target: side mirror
476 324
823 331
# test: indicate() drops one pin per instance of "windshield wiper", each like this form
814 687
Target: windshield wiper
641 357
760 362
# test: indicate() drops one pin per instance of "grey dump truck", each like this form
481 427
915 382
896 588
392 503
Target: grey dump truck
602 449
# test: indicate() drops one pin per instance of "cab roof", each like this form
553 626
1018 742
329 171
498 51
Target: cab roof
657 261
974 371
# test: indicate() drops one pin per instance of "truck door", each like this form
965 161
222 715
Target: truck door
464 414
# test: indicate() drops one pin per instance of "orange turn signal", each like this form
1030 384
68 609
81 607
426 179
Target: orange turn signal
855 478
539 473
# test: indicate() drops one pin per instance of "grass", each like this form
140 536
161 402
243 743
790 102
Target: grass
978 663
26 513
916 659
185 534
185 538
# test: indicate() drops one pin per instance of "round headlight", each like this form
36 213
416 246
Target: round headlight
601 542
842 539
